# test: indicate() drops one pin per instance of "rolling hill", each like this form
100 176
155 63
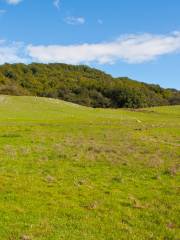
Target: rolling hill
74 172
82 85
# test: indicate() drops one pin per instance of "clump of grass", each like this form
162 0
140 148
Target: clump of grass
25 237
80 182
118 179
10 151
94 149
92 205
155 162
50 179
25 151
171 225
173 170
136 203
10 135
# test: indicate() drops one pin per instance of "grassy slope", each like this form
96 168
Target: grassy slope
71 172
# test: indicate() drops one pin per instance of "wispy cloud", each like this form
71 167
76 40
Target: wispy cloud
2 11
133 49
12 52
74 20
100 21
13 2
130 48
56 3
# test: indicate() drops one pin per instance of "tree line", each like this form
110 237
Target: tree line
83 85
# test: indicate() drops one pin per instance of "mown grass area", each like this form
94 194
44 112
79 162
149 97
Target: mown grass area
71 172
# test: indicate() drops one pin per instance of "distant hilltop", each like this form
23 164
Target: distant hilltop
82 85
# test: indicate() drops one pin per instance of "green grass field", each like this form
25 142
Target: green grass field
69 172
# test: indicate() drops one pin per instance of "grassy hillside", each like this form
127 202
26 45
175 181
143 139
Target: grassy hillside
82 85
72 172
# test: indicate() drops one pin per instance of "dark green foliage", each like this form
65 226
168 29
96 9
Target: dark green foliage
82 85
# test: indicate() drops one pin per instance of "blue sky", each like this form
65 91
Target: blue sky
135 38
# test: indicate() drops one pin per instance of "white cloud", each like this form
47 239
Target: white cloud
14 2
74 20
56 3
130 48
12 52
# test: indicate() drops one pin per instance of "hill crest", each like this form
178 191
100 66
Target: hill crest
82 85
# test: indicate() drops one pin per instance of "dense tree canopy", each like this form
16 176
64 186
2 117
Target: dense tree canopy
82 85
